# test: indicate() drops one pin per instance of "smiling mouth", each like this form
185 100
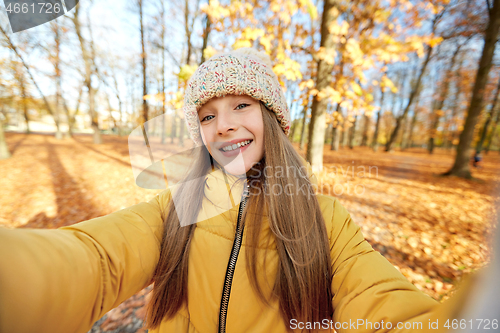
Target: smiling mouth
236 146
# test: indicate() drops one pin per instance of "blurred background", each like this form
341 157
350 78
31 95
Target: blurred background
394 104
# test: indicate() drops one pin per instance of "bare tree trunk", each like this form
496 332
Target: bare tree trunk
336 132
4 149
492 132
24 99
334 145
345 134
403 137
454 106
377 124
314 153
413 122
110 110
88 77
413 94
206 33
442 98
480 143
303 130
173 131
164 97
28 70
328 131
293 130
145 116
352 132
364 140
71 119
188 32
461 166
130 88
120 104
57 75
375 134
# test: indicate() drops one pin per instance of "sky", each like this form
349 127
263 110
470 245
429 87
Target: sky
115 25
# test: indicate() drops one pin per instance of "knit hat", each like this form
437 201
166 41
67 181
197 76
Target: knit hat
245 71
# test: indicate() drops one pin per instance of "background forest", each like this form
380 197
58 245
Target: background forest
389 102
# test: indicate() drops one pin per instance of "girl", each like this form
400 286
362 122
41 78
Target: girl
242 245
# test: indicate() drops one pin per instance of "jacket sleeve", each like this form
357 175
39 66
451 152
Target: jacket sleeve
367 289
64 280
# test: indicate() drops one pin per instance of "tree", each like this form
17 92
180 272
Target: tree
416 86
56 61
72 115
489 117
366 126
206 34
22 83
314 153
455 107
352 132
4 149
14 48
140 7
162 36
336 126
413 121
90 70
379 115
438 106
305 112
492 132
460 167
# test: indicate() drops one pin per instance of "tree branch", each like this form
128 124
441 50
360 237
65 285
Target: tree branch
155 44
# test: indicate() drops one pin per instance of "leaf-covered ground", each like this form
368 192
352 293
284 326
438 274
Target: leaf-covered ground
433 229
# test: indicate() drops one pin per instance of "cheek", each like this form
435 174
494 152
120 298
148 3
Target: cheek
202 134
259 129
205 137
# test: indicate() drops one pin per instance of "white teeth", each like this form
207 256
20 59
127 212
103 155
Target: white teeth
236 145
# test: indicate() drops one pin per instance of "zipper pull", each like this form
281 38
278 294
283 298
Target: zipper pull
246 192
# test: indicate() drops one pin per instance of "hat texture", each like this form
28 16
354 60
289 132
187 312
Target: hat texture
245 71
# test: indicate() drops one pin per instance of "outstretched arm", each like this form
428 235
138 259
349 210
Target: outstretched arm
64 280
368 289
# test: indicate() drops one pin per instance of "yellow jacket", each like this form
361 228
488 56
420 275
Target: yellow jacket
64 280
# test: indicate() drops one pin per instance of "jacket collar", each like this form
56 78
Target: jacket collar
219 211
225 190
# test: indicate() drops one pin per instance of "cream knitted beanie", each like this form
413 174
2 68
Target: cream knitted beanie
244 71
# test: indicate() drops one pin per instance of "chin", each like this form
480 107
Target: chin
237 170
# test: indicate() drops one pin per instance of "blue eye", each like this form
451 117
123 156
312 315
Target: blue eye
237 108
206 118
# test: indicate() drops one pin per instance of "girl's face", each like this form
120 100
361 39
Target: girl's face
232 129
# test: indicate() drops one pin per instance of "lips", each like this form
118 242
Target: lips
230 152
234 144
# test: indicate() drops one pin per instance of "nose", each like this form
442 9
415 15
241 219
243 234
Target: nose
226 123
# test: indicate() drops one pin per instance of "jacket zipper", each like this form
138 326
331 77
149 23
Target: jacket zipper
231 265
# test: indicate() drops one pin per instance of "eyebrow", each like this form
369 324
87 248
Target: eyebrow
237 98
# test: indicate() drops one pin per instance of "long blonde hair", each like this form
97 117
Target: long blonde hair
303 281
